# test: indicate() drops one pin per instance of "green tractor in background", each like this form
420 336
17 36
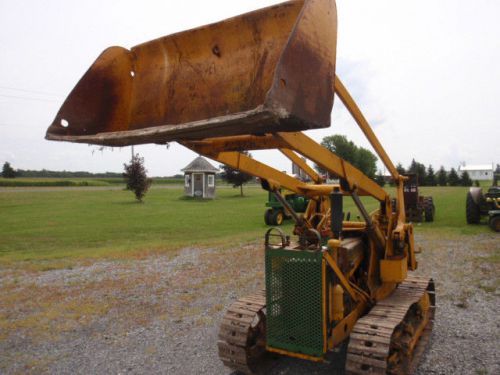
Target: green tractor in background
276 214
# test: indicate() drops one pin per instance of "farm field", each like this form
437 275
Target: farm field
76 224
93 282
43 226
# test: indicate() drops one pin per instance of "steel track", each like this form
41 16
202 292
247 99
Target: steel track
242 334
383 341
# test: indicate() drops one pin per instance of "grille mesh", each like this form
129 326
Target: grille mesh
294 301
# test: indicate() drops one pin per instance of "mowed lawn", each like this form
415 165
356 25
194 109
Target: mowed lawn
75 223
66 225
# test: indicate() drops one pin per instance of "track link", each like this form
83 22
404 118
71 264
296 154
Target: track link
392 337
241 341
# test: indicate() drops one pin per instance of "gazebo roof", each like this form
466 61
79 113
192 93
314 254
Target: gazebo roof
200 164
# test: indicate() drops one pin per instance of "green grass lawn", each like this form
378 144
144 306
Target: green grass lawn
56 225
450 212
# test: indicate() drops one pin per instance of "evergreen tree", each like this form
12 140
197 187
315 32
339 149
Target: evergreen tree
431 177
380 179
465 179
234 176
442 177
419 170
8 171
136 178
453 179
400 168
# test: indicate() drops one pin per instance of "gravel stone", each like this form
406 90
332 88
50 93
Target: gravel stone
164 312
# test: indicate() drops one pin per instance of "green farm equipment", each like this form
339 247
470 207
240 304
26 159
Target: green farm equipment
494 220
276 213
478 204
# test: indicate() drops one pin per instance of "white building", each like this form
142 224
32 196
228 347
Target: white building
478 172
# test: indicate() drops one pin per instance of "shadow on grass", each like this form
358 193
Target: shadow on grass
185 198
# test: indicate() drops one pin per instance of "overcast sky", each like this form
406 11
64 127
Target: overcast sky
425 73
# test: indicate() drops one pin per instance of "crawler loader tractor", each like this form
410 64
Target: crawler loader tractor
258 81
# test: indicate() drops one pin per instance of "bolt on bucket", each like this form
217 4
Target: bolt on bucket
261 72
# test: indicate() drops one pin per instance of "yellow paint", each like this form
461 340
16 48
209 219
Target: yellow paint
307 147
345 283
356 113
343 328
323 277
302 165
338 303
393 270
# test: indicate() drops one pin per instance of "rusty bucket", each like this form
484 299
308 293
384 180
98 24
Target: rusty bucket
261 72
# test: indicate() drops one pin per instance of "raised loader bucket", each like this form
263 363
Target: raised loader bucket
261 72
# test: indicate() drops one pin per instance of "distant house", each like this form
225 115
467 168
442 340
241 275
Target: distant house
478 172
199 178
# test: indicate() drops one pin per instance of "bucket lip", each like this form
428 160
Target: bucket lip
169 133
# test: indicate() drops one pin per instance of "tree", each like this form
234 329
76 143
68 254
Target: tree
380 179
442 177
235 177
453 179
8 171
400 168
465 179
360 157
366 161
431 177
136 178
419 170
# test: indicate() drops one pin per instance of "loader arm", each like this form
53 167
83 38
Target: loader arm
363 124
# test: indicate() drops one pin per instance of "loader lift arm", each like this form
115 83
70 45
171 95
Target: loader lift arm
226 150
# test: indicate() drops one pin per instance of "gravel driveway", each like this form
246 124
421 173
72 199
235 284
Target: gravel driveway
159 314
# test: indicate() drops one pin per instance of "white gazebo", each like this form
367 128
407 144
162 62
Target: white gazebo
199 179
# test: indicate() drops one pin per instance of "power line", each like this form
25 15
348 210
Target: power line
28 98
31 91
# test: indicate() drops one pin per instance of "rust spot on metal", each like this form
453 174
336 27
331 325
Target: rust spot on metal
216 50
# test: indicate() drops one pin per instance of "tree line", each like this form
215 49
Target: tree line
9 172
427 176
366 162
